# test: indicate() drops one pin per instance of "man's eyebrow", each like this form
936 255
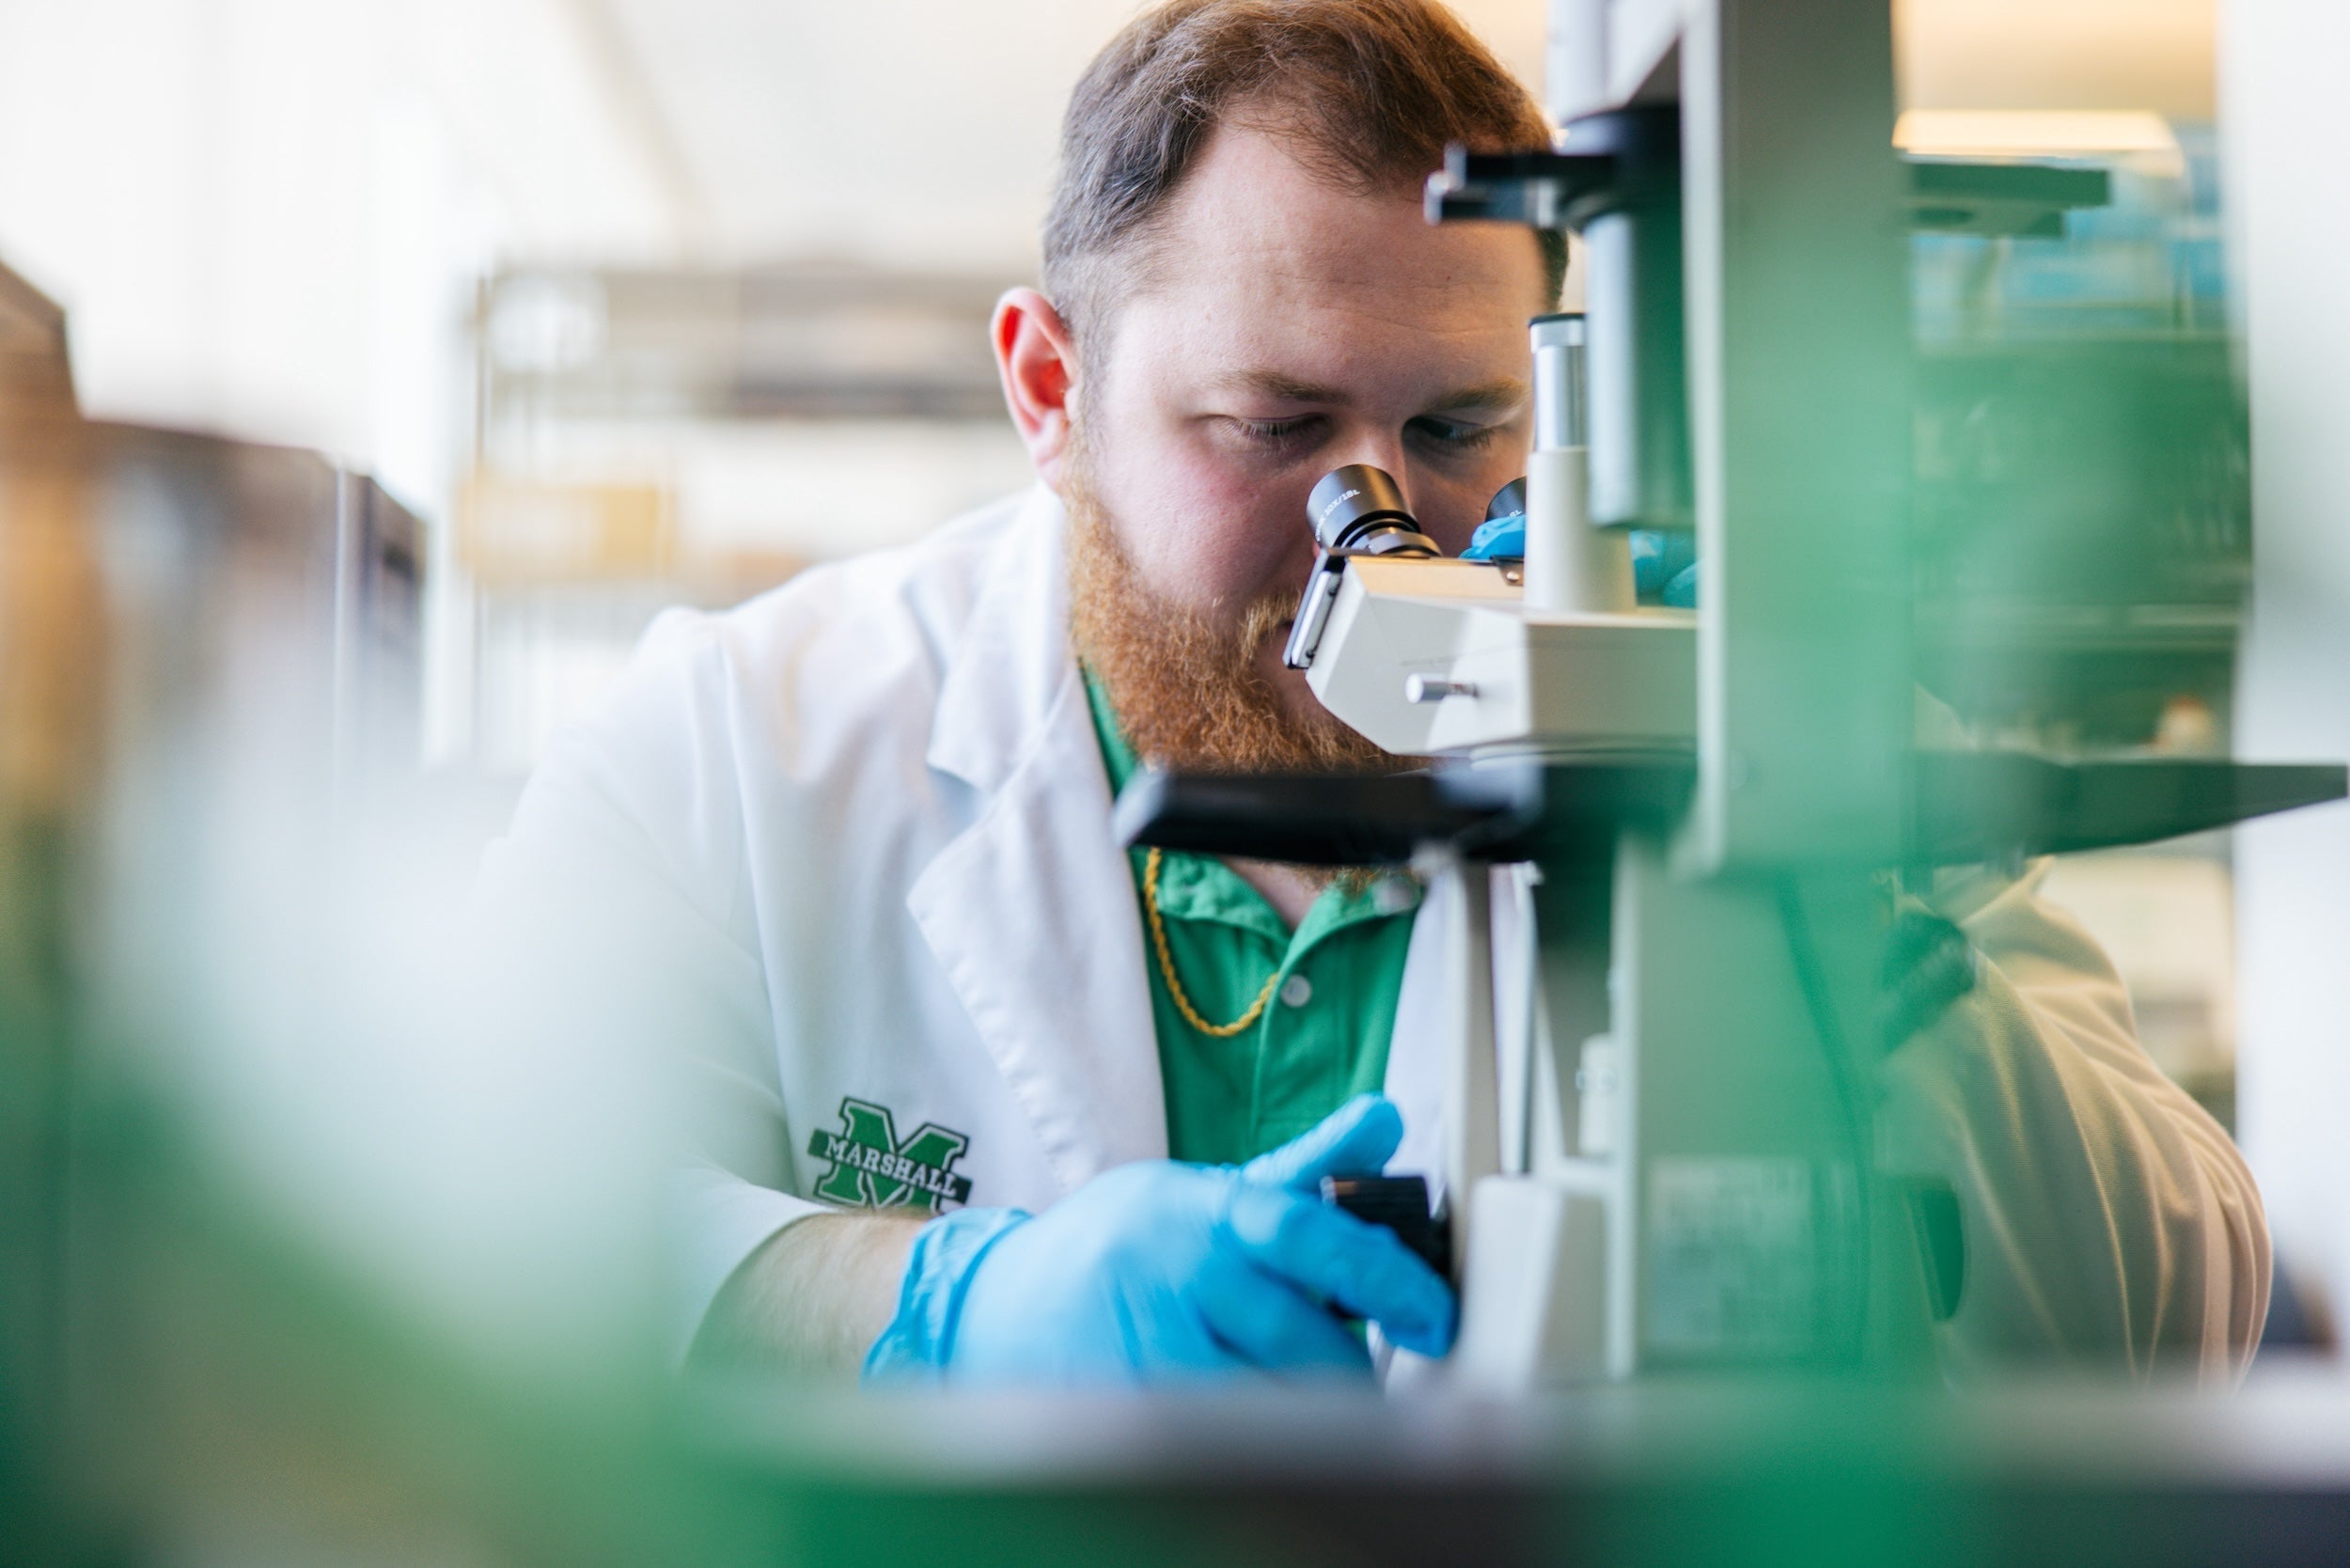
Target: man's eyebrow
1281 387
1506 392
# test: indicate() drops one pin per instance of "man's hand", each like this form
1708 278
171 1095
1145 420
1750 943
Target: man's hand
1163 1269
1929 963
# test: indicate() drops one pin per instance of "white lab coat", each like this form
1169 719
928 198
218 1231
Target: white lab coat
852 839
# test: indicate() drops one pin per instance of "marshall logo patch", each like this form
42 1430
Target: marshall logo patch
872 1169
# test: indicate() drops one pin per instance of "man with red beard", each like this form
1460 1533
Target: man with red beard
988 1097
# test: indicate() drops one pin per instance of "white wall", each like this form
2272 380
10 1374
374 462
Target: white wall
2286 145
265 216
2056 54
916 133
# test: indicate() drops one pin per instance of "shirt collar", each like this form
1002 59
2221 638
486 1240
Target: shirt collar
1200 887
1116 754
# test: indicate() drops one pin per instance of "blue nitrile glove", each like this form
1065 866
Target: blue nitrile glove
1162 1269
1664 567
1499 538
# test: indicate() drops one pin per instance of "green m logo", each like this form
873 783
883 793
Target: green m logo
872 1169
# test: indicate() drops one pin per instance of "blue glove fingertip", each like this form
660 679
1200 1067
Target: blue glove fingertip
1431 1336
1357 1139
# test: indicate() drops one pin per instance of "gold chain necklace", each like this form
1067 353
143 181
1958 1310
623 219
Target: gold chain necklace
1167 964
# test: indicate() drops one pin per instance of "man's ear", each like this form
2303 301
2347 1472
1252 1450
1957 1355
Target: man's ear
1036 356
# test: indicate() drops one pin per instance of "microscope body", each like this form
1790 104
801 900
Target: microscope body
1660 842
1637 1176
1656 1132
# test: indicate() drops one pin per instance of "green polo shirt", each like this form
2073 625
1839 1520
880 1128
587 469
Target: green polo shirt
1323 1037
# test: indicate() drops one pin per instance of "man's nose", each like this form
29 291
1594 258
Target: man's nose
1383 450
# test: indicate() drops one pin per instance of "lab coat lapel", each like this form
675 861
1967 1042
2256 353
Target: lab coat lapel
1030 911
1415 1051
1418 1076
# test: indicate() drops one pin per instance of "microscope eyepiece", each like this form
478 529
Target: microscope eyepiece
1361 509
1355 511
1509 501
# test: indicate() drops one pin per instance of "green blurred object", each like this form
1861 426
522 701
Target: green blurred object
1694 1472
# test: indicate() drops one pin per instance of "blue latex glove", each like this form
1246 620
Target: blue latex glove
1499 538
1663 566
1162 1269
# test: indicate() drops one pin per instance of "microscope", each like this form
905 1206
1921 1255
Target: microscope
1660 840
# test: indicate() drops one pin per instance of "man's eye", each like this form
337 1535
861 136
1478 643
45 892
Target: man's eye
1456 434
1272 435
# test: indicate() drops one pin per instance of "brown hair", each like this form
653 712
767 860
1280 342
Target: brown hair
1369 90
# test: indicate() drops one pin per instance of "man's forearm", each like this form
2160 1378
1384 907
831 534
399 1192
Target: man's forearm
812 1298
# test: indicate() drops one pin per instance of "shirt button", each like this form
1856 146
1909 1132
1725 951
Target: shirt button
1297 991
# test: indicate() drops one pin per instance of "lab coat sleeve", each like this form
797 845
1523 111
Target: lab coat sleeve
2108 1218
615 903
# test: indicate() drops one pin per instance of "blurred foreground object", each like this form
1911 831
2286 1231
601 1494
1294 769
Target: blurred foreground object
2283 135
196 636
50 659
256 1182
